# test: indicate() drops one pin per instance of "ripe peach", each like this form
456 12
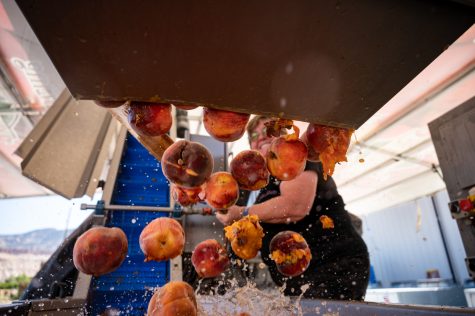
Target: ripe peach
286 157
225 126
162 239
173 299
209 259
245 236
290 252
186 107
221 190
186 196
250 170
319 136
150 119
109 104
187 164
100 250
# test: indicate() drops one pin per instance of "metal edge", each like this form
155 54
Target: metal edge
114 167
43 127
101 158
94 156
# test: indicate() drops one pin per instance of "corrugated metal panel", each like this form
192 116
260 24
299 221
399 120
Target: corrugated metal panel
452 237
404 242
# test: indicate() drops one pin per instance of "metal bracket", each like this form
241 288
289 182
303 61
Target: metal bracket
176 269
462 208
470 262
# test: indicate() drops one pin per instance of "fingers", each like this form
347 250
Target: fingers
223 218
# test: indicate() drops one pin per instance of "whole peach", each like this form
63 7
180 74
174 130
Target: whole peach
187 164
286 158
162 239
100 250
225 126
150 119
175 298
209 259
290 252
186 107
250 170
221 190
109 104
186 196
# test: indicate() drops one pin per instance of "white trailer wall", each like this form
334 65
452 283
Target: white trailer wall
405 241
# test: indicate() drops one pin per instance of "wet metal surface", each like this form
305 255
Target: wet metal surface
317 61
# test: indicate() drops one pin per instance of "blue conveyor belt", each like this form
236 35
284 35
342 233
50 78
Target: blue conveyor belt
140 181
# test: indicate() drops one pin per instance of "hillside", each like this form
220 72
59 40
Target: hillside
43 241
25 253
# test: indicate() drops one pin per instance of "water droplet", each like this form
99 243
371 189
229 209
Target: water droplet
283 102
289 68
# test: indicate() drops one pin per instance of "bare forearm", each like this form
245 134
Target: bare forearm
277 210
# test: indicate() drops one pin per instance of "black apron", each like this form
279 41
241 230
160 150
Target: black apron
339 268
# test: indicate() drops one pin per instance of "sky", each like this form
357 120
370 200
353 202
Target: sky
22 215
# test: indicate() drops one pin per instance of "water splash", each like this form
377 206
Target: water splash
360 151
250 299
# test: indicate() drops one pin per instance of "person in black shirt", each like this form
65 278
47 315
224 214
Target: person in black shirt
339 268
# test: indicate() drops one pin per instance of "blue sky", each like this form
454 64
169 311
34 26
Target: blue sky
26 214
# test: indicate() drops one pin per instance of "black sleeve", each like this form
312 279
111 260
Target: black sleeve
326 189
243 197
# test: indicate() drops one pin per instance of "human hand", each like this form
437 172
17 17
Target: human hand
233 214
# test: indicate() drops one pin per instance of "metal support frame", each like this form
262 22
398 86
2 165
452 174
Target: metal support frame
112 177
470 262
453 136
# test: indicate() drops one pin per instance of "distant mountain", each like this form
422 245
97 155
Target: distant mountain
42 241
14 264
